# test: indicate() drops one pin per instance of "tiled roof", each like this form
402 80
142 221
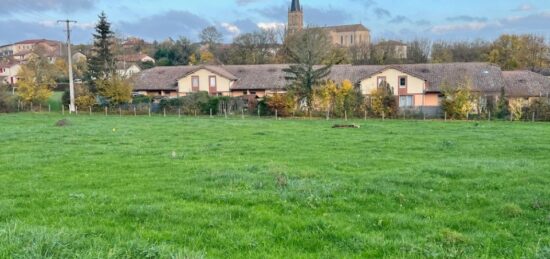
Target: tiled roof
132 58
526 84
484 77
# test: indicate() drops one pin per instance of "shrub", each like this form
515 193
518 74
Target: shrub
281 103
541 108
142 99
83 97
7 101
382 101
458 102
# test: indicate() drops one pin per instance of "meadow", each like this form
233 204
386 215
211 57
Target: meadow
155 187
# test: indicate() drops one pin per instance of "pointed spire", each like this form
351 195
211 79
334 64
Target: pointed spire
295 7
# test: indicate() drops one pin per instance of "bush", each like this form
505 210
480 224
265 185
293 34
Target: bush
383 103
541 108
7 101
280 104
458 102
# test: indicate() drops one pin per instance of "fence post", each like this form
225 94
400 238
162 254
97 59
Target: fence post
90 110
179 113
365 114
149 110
346 115
276 114
467 116
242 114
135 112
445 116
49 108
164 112
40 108
489 115
106 111
62 109
76 110
225 112
120 111
31 107
383 116
195 113
259 111
533 116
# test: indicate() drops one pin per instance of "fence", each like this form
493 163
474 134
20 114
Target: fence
235 111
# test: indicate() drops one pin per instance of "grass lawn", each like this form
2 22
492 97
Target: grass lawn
140 187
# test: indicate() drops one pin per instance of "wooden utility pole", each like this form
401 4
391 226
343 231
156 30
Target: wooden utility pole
68 22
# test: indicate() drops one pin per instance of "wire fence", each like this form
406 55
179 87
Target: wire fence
225 111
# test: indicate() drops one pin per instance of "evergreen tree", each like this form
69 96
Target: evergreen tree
101 64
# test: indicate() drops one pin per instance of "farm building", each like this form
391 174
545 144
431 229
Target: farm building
415 85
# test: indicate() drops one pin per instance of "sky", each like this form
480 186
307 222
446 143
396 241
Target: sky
387 19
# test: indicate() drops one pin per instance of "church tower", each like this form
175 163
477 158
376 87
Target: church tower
295 17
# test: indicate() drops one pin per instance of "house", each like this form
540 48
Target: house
341 35
126 70
526 85
418 86
9 71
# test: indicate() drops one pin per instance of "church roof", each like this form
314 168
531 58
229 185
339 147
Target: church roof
347 28
295 6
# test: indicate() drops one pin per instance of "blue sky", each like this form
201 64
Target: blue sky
160 19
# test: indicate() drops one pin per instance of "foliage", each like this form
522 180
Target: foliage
541 108
502 105
516 107
518 52
141 99
83 97
115 89
382 101
282 104
252 48
418 51
147 65
101 63
37 79
200 102
305 50
6 99
210 36
458 101
175 53
339 99
204 57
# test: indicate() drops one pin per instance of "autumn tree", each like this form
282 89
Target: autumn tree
253 48
175 53
458 101
382 101
115 90
502 105
36 81
418 51
310 53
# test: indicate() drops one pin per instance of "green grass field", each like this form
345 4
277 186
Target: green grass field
112 187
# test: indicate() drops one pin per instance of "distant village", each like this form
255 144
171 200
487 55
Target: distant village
256 65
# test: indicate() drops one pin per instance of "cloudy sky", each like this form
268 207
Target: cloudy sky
160 19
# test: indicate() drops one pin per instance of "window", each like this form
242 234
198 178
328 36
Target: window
195 83
405 101
402 82
213 81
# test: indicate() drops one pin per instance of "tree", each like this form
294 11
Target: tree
458 100
305 50
210 36
382 101
502 105
115 89
175 53
101 64
418 51
441 53
37 79
253 48
6 100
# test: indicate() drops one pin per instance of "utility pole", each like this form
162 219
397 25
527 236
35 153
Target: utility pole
72 107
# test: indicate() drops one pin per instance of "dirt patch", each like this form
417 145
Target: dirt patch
62 123
350 126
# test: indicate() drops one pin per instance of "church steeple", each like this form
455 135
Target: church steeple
296 7
295 17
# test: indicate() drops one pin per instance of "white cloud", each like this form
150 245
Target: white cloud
471 26
231 28
271 25
524 8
